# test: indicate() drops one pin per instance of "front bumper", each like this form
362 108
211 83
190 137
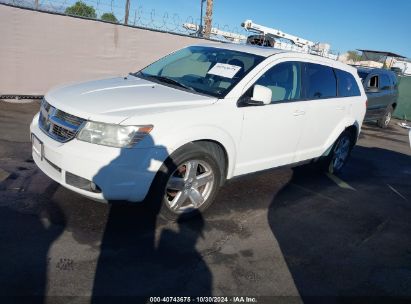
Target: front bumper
120 174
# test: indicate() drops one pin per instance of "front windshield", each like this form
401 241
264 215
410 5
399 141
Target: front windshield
205 70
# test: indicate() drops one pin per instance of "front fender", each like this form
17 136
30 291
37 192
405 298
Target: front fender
180 137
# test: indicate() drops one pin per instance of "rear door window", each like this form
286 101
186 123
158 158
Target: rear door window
373 82
320 81
347 86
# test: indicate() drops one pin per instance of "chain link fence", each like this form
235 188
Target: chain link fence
124 12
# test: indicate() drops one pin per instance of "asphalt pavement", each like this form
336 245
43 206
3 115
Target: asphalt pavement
289 234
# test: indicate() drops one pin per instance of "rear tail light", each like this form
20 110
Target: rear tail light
366 103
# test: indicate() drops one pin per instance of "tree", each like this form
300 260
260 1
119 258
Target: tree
81 9
354 56
110 17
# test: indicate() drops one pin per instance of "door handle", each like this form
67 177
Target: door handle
298 112
341 108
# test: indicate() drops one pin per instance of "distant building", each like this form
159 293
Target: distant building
377 59
368 63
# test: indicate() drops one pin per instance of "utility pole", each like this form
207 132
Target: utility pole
208 18
36 4
200 28
127 12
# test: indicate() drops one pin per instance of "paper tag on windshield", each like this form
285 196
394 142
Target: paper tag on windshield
224 70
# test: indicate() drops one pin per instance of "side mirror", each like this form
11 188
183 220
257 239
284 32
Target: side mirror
372 90
262 94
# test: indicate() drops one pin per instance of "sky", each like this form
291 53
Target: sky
346 25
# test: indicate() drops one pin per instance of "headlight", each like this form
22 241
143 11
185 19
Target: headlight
113 135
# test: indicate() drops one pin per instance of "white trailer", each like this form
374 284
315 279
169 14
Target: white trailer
405 66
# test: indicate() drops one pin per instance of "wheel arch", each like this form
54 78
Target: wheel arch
354 133
205 135
221 153
351 126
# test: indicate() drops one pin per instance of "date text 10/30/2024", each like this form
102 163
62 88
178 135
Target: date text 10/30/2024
239 299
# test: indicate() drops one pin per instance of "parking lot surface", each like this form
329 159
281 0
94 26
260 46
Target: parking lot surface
287 233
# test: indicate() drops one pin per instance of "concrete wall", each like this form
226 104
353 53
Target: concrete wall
40 50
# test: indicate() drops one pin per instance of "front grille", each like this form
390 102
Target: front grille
58 124
62 132
74 120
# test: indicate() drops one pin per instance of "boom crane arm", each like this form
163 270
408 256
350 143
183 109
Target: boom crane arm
293 43
253 27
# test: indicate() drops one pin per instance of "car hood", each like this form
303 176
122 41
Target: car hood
116 99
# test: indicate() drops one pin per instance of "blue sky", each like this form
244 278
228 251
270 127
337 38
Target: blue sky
346 25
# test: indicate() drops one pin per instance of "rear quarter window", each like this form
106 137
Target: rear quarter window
347 85
385 82
363 75
320 81
394 81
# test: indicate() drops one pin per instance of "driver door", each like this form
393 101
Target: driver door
271 133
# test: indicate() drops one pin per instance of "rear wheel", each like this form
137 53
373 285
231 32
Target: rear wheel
188 181
384 121
339 154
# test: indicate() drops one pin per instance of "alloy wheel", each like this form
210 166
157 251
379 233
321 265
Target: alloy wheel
189 187
341 152
387 119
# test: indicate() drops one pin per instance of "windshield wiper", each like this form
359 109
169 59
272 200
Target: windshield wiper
169 80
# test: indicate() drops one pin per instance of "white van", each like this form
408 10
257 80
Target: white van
180 127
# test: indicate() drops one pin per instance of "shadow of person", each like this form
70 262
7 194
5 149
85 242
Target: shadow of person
28 227
179 261
347 238
130 264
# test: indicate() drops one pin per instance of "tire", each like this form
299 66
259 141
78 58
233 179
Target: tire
384 121
188 181
339 154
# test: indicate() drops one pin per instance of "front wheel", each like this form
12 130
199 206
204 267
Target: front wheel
188 182
339 154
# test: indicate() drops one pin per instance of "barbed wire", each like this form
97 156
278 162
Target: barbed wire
115 11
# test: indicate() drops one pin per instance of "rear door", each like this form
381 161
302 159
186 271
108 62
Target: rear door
388 91
376 96
325 111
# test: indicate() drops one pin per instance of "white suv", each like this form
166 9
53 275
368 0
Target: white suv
180 127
